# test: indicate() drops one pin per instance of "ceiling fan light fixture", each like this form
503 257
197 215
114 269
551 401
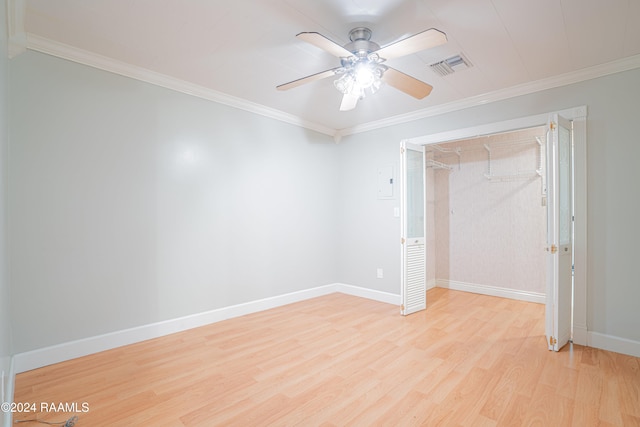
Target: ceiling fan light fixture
375 86
364 74
359 77
345 83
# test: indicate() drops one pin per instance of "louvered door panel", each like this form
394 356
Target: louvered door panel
416 284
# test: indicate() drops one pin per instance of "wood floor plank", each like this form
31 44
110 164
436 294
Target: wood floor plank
547 408
515 413
338 360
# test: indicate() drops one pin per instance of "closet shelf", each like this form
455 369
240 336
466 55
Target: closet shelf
437 165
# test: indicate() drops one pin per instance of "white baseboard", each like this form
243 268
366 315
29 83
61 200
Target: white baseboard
494 291
357 291
613 343
34 359
431 283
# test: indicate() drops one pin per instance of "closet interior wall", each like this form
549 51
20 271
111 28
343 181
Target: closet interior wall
486 209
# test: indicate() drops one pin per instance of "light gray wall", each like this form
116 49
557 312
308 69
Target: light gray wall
370 234
369 231
5 295
131 204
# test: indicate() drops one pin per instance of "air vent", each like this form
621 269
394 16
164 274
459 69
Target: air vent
451 65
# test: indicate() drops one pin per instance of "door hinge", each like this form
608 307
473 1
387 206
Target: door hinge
402 240
401 150
402 308
552 125
552 341
554 249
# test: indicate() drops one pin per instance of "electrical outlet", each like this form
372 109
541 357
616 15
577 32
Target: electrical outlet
379 273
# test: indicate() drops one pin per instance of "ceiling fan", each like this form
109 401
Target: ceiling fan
362 67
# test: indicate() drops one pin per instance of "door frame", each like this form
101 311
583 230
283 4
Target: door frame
579 117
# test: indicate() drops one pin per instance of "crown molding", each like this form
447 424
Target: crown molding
625 64
44 45
50 47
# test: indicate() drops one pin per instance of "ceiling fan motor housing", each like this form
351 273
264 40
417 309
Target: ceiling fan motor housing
361 44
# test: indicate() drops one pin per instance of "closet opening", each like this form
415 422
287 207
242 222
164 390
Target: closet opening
534 166
486 215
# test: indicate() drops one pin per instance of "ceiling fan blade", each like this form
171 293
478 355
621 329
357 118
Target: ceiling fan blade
412 44
312 78
349 102
325 44
405 83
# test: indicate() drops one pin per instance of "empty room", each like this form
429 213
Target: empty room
302 212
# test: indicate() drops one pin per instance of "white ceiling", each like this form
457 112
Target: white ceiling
238 51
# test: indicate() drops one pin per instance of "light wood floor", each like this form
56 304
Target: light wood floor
469 360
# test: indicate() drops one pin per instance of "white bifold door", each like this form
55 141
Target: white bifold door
412 215
559 248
